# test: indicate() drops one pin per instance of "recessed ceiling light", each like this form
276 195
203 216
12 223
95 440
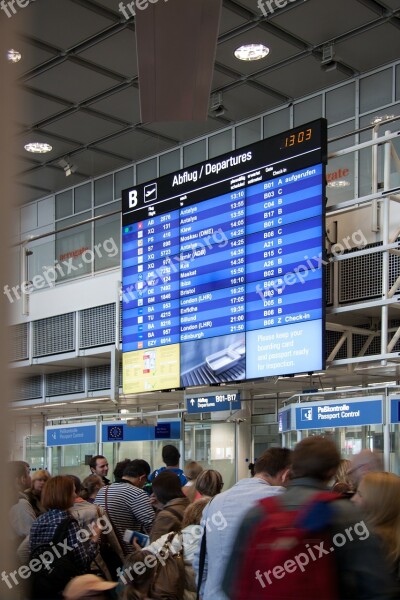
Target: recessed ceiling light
380 119
14 56
38 147
251 52
339 183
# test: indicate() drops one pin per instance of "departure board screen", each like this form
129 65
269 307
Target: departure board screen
223 276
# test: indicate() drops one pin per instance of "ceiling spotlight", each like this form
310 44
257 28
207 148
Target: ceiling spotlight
68 167
14 56
38 147
251 52
216 107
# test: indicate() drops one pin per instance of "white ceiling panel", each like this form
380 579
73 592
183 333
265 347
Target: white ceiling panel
32 108
229 20
393 4
372 48
72 81
135 145
24 194
319 21
185 131
64 23
245 101
32 56
123 105
124 61
279 50
51 178
221 79
82 126
96 163
292 81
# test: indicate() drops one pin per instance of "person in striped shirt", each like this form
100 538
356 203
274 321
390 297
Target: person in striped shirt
126 504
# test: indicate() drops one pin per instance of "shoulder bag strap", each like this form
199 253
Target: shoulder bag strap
202 558
110 519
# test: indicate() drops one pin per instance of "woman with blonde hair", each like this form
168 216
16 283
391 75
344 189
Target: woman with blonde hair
192 471
209 483
378 495
34 492
343 483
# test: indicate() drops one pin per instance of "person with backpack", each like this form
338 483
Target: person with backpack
57 542
223 515
171 456
309 542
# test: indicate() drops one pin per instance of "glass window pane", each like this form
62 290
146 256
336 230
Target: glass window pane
341 103
170 162
103 190
194 153
74 252
123 180
340 171
220 143
64 204
248 133
83 197
375 90
307 111
398 82
146 171
107 239
276 122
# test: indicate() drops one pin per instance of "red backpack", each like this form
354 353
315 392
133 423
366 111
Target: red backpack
290 554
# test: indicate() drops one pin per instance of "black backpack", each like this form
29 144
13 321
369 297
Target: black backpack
49 582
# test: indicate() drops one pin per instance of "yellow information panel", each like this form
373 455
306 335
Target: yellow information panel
151 369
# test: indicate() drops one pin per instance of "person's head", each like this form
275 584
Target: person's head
378 495
342 474
209 483
38 479
87 586
77 484
167 486
170 455
99 465
366 461
192 470
119 469
193 513
137 472
273 465
20 474
316 457
90 486
58 492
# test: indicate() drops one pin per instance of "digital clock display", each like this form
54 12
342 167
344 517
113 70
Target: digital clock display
298 137
222 270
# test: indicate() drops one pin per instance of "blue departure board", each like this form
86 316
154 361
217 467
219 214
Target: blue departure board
223 267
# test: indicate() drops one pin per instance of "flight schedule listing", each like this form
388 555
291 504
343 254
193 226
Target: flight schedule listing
223 282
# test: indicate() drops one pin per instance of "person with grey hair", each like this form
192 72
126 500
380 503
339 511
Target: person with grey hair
366 461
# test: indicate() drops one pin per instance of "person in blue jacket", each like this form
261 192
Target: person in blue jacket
171 456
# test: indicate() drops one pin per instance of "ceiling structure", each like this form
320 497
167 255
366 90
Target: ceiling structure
78 86
78 89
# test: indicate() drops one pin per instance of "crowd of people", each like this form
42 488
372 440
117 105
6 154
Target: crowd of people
173 534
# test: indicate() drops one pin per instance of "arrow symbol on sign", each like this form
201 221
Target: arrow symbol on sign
192 401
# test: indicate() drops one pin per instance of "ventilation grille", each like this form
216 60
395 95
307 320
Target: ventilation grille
329 284
67 382
97 326
99 378
19 342
54 335
332 338
361 277
29 388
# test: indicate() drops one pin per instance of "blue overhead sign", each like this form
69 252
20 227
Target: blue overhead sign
71 434
395 410
119 431
198 403
339 413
